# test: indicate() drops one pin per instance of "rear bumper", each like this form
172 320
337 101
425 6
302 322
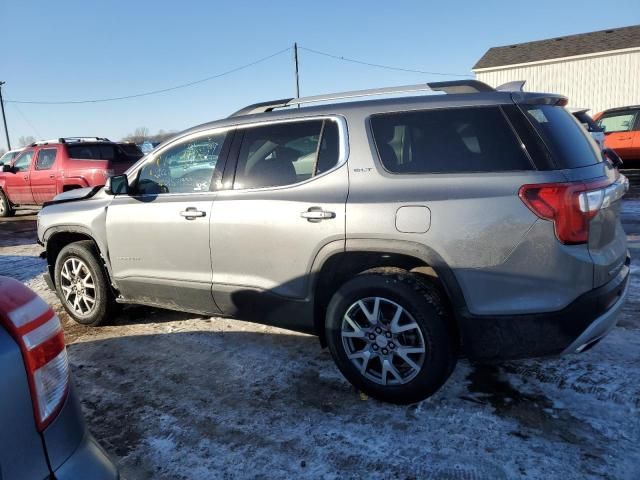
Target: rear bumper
572 329
88 461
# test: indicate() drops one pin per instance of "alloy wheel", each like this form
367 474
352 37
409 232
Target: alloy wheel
383 341
78 287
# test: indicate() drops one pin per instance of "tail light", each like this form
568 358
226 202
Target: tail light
38 332
569 206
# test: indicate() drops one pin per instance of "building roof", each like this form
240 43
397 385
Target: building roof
560 47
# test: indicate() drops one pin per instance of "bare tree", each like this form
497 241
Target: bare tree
24 141
138 136
141 134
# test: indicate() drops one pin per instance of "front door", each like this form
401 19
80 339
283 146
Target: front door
18 184
287 203
159 235
43 175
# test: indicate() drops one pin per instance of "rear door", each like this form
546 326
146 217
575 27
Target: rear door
158 236
44 175
18 183
287 202
618 129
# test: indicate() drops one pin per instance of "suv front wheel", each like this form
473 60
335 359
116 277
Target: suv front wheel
82 284
390 337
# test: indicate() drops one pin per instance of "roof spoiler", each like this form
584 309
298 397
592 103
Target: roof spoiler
515 86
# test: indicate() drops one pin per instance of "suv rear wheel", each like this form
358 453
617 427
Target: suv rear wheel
6 210
82 284
389 335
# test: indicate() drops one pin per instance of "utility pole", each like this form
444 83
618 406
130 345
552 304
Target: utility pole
295 61
4 118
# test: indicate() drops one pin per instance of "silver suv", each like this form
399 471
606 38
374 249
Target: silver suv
403 232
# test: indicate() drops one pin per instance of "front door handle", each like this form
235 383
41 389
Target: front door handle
316 214
192 212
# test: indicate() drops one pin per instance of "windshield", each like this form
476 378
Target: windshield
565 138
7 157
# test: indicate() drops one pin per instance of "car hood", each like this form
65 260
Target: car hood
73 195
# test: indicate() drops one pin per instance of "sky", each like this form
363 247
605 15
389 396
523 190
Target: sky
81 50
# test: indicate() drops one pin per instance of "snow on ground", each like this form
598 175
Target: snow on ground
171 395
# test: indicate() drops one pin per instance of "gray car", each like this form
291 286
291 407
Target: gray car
404 232
42 434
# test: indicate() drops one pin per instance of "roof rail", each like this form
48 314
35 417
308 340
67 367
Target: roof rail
461 86
287 102
82 139
458 86
515 86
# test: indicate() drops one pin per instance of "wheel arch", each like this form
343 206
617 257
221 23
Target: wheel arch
333 268
56 238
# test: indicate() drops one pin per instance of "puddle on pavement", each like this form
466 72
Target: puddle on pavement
534 412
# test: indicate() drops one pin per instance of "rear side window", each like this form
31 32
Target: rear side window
46 158
569 144
92 152
286 153
617 122
477 139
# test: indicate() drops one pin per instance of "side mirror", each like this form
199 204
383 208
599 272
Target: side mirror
117 185
7 169
613 157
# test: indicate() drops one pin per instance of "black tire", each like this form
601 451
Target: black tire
423 302
105 305
6 209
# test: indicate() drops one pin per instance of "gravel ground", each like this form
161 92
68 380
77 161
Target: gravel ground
171 395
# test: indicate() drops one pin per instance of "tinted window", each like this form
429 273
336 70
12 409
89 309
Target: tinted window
617 122
23 161
570 145
89 151
451 140
186 167
132 150
46 158
286 153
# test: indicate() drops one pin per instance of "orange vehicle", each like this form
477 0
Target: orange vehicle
622 131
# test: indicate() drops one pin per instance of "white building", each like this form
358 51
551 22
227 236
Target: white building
596 70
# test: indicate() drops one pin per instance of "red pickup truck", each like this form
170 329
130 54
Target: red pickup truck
45 169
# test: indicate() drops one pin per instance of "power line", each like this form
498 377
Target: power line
377 65
35 130
153 92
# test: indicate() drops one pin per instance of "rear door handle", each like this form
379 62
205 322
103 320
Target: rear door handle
316 214
192 212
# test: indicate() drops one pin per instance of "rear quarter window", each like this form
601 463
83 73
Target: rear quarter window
475 139
567 141
92 152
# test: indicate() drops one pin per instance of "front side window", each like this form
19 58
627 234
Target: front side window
286 153
46 158
23 161
617 122
452 140
186 167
